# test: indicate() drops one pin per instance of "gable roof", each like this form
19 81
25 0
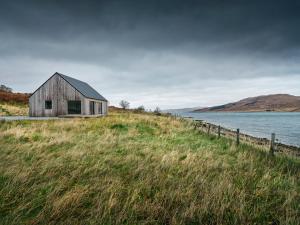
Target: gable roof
85 89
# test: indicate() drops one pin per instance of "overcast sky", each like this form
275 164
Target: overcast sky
165 53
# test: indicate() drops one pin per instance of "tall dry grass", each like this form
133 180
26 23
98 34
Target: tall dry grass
13 109
131 168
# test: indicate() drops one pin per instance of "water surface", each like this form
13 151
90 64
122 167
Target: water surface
286 125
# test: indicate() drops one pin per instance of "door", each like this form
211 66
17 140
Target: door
74 107
100 108
92 108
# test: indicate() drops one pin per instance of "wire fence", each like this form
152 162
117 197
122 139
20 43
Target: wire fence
273 145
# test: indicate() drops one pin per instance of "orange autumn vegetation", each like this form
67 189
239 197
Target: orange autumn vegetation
14 97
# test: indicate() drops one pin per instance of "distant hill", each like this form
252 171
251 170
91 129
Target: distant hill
277 103
181 110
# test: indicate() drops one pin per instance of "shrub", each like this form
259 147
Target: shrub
140 109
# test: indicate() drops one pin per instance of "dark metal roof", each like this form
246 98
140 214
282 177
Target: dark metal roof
85 89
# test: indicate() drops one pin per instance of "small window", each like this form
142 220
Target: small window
48 104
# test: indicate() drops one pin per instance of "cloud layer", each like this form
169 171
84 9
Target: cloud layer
165 53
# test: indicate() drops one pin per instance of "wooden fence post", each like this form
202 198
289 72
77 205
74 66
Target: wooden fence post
208 129
196 125
237 136
272 146
219 131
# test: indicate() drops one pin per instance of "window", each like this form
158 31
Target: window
100 108
92 107
74 107
48 104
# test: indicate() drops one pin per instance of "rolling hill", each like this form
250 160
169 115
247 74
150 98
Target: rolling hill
276 103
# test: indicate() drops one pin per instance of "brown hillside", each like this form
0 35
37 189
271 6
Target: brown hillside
277 102
14 97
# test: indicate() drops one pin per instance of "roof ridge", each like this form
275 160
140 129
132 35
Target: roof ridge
61 74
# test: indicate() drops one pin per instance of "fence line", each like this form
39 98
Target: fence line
265 143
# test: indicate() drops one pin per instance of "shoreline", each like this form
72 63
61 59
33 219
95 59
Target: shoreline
244 112
260 142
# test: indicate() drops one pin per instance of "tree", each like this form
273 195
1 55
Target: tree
141 108
124 104
5 88
157 111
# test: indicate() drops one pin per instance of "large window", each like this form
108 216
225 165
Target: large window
74 107
48 104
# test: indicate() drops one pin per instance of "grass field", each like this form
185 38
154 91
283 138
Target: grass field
131 168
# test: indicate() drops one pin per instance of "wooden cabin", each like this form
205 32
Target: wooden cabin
62 95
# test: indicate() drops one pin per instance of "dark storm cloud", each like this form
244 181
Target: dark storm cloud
149 46
239 25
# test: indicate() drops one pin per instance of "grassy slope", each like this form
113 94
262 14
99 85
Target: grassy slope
139 169
13 109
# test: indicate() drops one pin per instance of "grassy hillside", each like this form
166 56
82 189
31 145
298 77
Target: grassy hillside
139 169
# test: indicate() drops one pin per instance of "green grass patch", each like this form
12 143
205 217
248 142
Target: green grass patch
119 127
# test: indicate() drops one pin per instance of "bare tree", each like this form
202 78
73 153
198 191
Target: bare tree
157 111
124 104
5 88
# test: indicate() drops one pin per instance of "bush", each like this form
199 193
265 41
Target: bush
140 109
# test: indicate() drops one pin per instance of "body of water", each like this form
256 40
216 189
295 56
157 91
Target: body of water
286 125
